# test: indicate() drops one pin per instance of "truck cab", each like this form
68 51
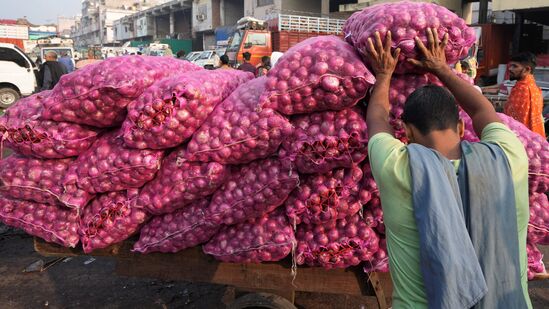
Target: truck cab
17 74
256 42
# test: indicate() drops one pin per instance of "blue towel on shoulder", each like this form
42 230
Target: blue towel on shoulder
451 272
467 228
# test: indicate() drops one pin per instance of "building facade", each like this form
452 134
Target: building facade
97 22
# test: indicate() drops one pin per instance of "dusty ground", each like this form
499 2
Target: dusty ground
76 283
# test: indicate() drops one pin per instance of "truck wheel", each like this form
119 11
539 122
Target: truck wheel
8 96
261 300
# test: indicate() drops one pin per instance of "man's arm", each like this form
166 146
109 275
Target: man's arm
480 110
383 64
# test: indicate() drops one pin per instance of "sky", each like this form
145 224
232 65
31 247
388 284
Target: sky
39 11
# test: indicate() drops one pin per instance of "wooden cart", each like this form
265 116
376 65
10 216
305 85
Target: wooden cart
272 284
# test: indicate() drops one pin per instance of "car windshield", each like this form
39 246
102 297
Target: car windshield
220 51
235 42
195 56
58 51
191 56
205 55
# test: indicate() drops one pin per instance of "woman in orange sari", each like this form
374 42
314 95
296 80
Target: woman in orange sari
525 102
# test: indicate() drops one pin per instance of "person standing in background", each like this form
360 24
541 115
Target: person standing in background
265 66
180 54
247 66
525 103
225 63
66 60
51 72
91 59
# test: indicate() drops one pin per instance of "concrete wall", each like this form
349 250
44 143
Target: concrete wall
261 12
203 8
144 26
302 6
232 11
453 5
501 5
183 24
123 31
162 26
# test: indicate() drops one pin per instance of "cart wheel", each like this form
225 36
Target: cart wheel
261 300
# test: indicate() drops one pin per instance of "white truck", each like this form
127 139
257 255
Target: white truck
17 74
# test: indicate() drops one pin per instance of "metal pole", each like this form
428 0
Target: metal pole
483 12
518 32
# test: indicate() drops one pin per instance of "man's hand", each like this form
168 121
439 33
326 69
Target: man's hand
383 63
433 56
380 57
472 101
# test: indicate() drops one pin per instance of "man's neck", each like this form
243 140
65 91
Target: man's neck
524 77
447 143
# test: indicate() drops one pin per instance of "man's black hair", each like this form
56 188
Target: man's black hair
526 59
431 108
247 56
224 59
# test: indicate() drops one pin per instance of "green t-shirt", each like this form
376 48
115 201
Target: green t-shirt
391 170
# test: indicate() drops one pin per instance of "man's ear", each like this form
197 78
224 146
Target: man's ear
409 133
461 128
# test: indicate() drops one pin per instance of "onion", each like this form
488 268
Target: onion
253 190
109 166
380 262
536 147
22 130
535 261
318 65
97 95
238 131
340 244
268 238
32 179
406 20
49 222
180 183
325 197
110 218
327 140
173 232
173 108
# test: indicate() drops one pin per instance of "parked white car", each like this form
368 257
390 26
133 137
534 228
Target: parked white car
206 58
192 56
17 74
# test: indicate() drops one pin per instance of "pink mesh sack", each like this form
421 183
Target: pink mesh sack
23 130
268 238
406 20
176 231
50 222
324 141
109 219
172 109
253 190
321 73
180 183
97 95
239 131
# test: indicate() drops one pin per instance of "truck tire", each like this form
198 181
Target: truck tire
8 96
261 300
